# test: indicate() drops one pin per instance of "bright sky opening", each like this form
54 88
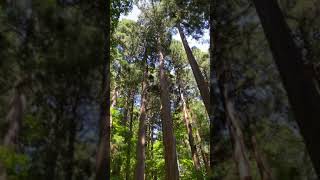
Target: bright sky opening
202 43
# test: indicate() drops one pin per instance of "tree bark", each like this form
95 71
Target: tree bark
217 114
193 147
202 85
303 95
264 170
129 137
169 141
203 153
141 145
103 153
14 118
233 120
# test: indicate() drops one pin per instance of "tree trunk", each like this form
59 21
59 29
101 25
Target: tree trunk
103 153
169 141
129 137
203 153
202 85
141 145
264 170
240 151
302 93
217 114
193 147
14 118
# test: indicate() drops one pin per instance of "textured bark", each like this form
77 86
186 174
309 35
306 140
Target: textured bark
14 118
113 103
141 145
193 147
203 153
216 115
171 166
128 139
233 120
103 152
201 83
301 90
264 170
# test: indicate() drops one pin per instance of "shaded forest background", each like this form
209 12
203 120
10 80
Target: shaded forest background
53 94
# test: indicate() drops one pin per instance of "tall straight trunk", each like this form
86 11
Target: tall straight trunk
103 153
169 141
128 139
216 113
17 105
113 103
264 170
14 118
193 147
203 153
301 90
141 145
201 83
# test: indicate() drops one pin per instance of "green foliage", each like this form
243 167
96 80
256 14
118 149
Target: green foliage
17 164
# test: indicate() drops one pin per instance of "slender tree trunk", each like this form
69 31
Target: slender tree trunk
264 170
14 118
240 151
202 85
302 93
103 153
113 103
203 153
17 105
141 145
169 141
129 137
193 147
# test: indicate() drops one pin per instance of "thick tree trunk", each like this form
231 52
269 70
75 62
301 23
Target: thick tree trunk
202 85
193 147
141 145
302 92
217 114
169 141
103 153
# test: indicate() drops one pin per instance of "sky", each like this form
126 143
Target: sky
202 43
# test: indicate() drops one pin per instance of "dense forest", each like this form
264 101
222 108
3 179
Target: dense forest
88 93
